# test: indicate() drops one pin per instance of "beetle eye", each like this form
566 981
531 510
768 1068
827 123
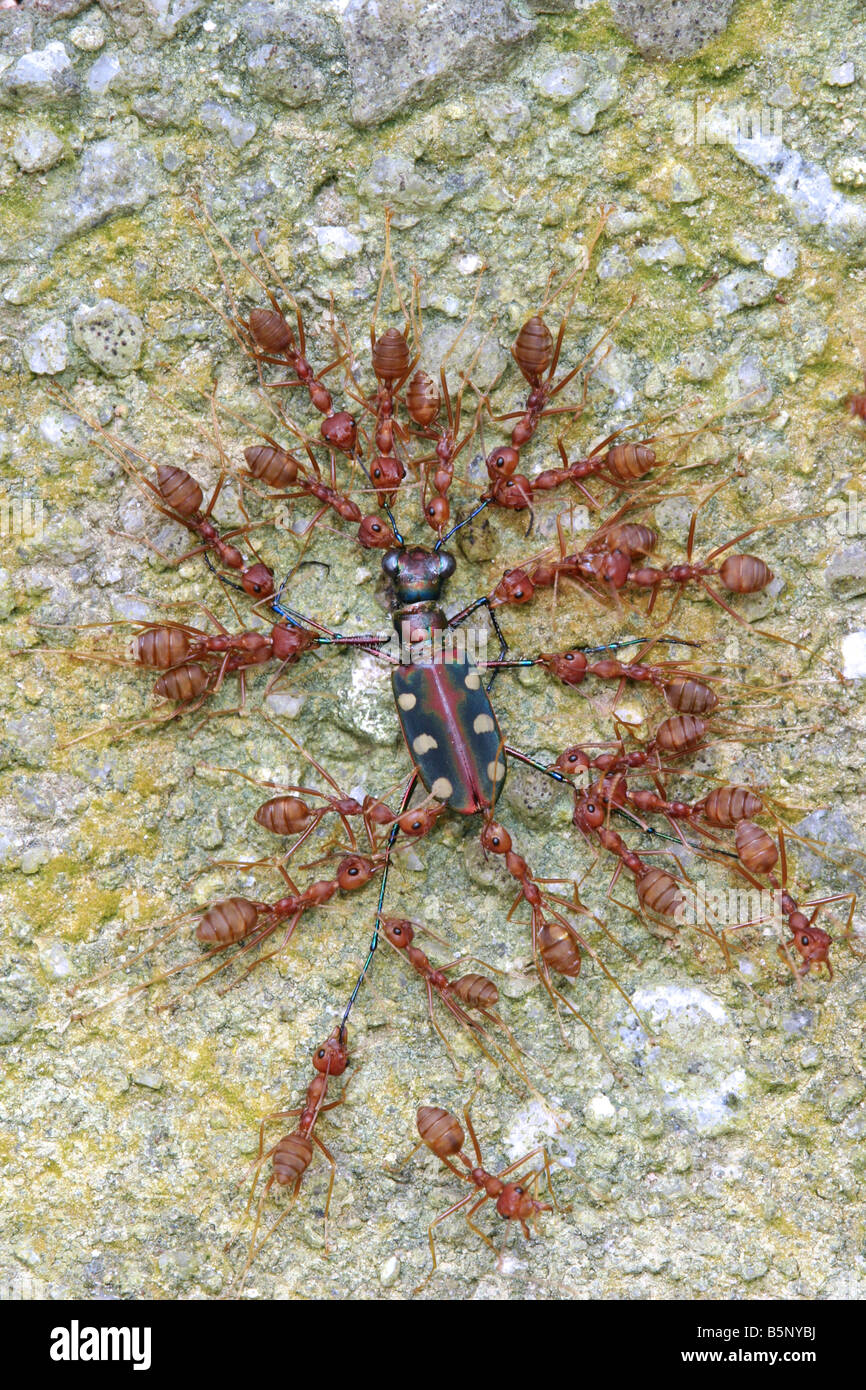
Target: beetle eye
447 564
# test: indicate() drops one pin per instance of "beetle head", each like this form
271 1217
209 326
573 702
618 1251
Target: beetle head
418 574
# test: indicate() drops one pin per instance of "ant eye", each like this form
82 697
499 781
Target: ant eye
804 940
398 931
519 1191
321 1052
591 809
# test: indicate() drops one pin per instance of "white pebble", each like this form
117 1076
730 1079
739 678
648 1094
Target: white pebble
562 81
54 960
46 349
839 74
389 1271
600 1115
781 260
32 860
88 38
854 655
286 704
103 73
336 243
36 149
668 252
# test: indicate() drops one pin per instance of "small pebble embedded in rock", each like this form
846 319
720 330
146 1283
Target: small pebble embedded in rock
110 334
46 349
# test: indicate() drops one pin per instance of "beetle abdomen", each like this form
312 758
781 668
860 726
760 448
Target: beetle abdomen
451 732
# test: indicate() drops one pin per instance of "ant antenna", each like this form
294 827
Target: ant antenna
277 607
464 522
390 515
229 583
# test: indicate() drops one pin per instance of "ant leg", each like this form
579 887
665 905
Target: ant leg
374 940
448 1048
329 1156
437 1220
477 1229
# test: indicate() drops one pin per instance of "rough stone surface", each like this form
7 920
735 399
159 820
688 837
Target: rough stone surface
671 28
285 75
110 334
41 78
46 350
110 178
409 50
36 148
728 1160
807 189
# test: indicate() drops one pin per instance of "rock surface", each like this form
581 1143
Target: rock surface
671 28
731 1164
110 334
410 50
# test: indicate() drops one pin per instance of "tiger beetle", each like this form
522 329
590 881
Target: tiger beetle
445 712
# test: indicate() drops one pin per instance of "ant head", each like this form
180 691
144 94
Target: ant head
399 931
516 1204
503 461
258 581
588 810
813 943
418 574
331 1056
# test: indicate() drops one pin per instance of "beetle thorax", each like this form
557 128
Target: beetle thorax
418 576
